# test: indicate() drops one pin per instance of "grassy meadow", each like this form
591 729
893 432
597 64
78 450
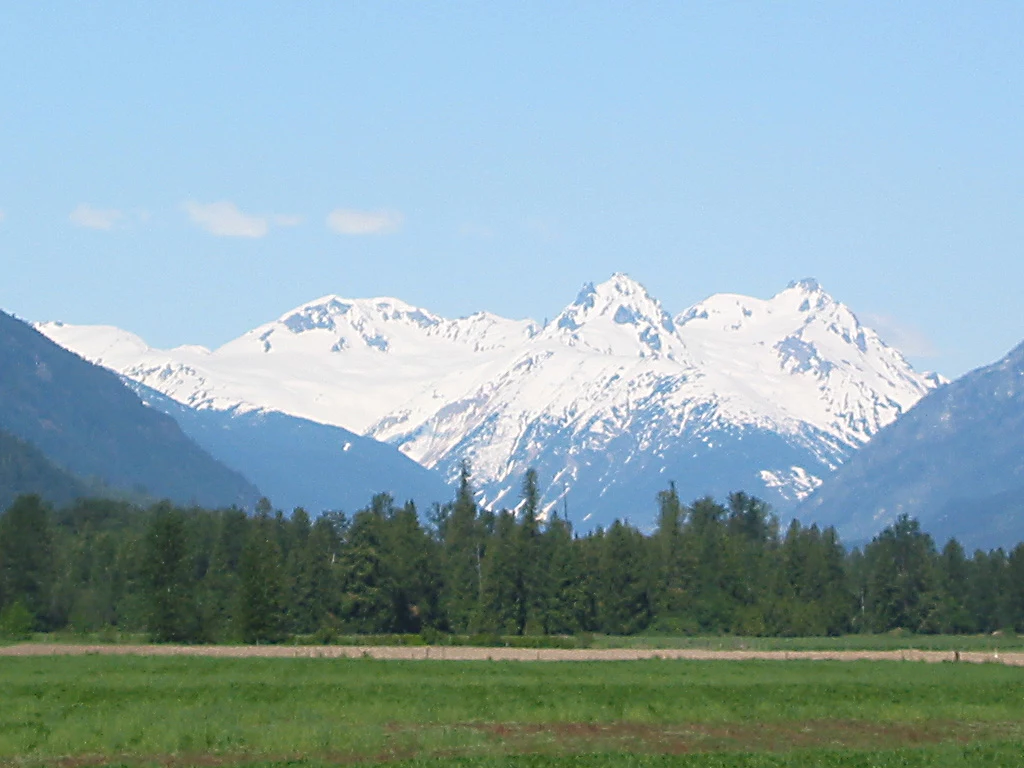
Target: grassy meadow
101 710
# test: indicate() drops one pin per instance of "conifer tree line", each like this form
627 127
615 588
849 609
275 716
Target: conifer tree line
196 575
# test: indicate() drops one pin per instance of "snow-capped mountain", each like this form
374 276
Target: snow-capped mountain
609 402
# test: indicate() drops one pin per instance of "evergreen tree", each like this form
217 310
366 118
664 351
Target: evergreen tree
367 583
837 598
712 579
752 535
26 558
532 560
501 609
1015 589
261 610
307 575
169 582
624 606
567 601
900 577
463 557
950 614
413 563
669 590
219 600
987 590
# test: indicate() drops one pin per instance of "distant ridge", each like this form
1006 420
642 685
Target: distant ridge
300 463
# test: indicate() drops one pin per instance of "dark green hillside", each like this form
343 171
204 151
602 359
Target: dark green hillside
83 418
23 469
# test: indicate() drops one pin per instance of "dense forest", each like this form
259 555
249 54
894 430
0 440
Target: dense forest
196 575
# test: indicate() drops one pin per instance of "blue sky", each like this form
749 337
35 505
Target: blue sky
189 170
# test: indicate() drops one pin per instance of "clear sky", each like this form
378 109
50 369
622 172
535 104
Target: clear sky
189 170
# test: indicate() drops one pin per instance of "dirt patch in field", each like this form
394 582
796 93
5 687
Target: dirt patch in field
466 653
755 737
578 738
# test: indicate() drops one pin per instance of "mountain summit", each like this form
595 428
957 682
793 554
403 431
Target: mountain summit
609 402
618 317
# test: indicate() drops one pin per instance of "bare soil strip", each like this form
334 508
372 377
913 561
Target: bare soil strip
466 653
578 738
697 737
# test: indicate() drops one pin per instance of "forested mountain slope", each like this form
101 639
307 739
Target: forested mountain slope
24 469
955 461
83 418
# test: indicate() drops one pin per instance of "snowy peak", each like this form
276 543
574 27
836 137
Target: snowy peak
808 358
799 321
339 324
794 306
380 326
806 298
618 317
623 299
484 331
808 286
100 344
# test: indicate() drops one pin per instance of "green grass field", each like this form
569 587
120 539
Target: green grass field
100 710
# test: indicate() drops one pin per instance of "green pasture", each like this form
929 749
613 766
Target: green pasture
103 710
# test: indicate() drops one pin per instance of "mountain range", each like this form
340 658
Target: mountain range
609 402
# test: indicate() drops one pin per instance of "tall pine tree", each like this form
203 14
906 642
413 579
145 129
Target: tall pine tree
169 583
463 544
26 559
261 610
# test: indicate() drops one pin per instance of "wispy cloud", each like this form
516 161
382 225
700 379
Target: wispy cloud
84 215
286 220
2 216
225 220
346 221
909 340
